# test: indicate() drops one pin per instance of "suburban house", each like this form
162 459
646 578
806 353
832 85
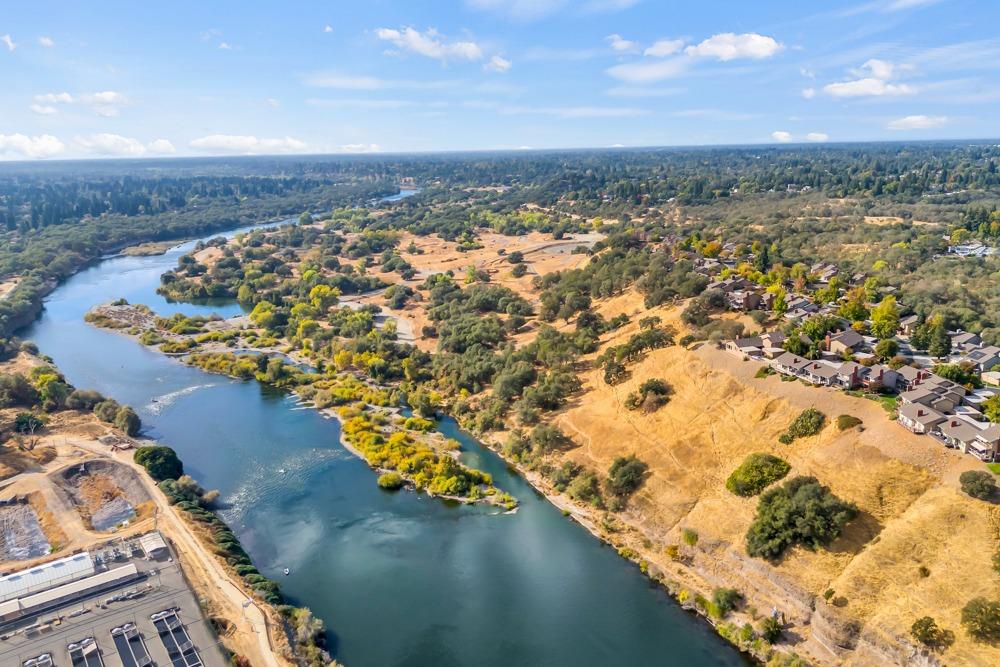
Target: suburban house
744 300
772 343
964 340
984 358
819 372
919 418
908 324
745 347
910 377
844 342
940 399
790 364
880 377
850 374
964 435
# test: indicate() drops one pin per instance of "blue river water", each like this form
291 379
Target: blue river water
399 578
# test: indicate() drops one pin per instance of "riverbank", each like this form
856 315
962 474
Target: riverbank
75 468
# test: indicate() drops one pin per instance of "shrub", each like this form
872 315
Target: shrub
926 631
770 629
725 600
845 422
83 399
689 536
978 483
652 395
106 410
546 438
981 618
391 481
27 422
586 488
626 475
160 462
128 421
809 422
801 511
756 473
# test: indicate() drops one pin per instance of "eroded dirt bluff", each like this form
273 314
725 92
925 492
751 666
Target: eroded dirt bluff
913 514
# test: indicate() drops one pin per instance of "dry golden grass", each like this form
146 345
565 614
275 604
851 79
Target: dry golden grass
905 485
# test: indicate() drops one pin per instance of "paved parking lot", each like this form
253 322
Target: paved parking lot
79 634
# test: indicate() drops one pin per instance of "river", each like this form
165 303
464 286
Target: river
399 578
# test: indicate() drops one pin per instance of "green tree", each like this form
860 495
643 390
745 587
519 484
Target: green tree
885 318
160 462
886 349
938 340
128 421
981 619
756 473
978 483
991 408
926 631
801 511
625 475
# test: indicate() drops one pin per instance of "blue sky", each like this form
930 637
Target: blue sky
218 77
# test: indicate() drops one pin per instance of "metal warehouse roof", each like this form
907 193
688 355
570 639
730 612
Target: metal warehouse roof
54 573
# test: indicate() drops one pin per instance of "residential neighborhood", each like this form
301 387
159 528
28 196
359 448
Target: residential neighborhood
848 357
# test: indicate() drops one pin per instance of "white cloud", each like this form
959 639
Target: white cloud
328 28
54 98
730 46
619 43
161 147
355 82
918 122
649 71
429 44
225 46
808 93
110 144
879 69
105 103
497 64
781 136
41 146
664 47
43 109
248 144
10 46
46 42
272 102
817 136
874 81
868 87
361 148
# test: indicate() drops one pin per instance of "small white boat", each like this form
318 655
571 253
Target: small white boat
281 471
287 571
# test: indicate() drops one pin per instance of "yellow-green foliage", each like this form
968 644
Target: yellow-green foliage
415 460
217 336
181 324
418 424
175 346
344 390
